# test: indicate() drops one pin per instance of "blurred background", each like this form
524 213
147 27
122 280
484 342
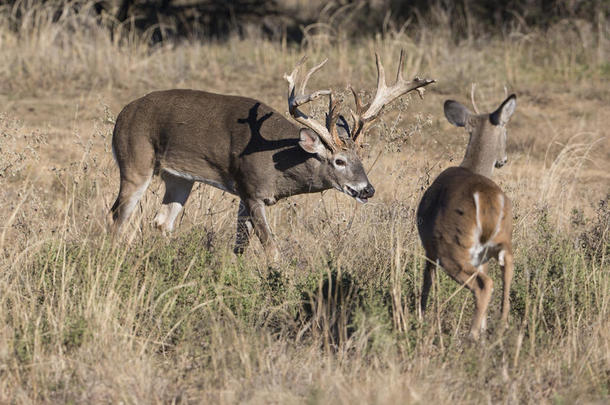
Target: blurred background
291 20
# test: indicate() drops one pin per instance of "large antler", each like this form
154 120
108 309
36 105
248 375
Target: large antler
365 115
327 133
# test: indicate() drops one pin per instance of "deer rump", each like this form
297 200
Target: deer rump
470 227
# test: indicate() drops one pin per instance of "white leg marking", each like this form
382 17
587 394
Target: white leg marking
174 210
160 217
177 195
135 197
501 257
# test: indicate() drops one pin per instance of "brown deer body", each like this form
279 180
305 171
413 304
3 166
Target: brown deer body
464 218
239 145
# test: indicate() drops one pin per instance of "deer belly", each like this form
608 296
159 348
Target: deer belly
229 187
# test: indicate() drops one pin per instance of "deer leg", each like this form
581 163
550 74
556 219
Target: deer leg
505 258
483 269
482 296
132 187
429 272
177 191
261 227
244 228
481 286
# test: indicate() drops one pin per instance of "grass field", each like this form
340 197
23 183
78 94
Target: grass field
181 319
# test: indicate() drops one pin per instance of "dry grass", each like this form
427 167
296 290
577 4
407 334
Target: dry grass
183 320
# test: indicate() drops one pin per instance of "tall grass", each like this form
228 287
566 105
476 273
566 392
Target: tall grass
181 319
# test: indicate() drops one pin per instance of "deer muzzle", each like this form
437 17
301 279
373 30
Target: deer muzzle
361 194
500 163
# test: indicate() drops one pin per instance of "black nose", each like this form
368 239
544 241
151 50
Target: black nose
368 191
500 163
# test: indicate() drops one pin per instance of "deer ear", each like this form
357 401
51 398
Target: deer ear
456 113
310 142
504 112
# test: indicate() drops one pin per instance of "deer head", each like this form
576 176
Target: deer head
339 153
487 145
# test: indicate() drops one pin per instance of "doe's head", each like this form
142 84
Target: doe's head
487 131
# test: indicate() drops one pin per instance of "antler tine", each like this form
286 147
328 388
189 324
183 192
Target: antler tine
357 99
384 95
357 122
291 78
381 84
331 120
401 62
311 72
360 108
300 98
296 99
474 104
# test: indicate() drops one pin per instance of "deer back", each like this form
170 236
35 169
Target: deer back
210 136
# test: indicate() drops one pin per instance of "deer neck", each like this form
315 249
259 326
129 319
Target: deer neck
480 157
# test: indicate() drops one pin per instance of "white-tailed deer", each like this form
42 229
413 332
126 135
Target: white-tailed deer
244 147
464 218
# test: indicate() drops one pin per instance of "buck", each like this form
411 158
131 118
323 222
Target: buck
244 147
464 219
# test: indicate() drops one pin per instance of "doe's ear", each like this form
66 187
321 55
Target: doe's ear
456 113
310 142
505 111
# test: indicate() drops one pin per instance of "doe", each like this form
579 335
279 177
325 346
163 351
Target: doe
464 218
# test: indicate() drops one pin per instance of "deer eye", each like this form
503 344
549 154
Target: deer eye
340 162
